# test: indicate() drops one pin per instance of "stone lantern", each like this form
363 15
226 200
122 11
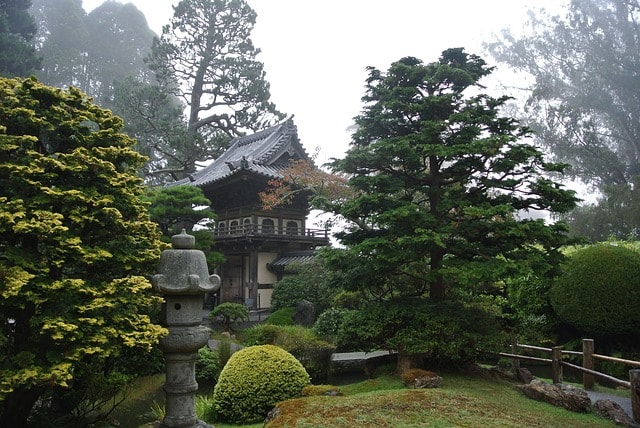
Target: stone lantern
182 279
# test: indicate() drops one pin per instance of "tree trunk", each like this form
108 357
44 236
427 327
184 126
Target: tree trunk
17 407
408 361
437 287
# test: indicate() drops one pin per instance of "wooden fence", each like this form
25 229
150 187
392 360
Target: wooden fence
588 367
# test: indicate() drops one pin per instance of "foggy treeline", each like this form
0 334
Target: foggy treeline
169 88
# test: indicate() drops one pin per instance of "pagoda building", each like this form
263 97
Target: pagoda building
258 244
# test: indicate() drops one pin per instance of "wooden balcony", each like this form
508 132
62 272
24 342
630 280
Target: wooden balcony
251 232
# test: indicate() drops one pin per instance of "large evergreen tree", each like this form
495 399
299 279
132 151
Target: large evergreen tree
206 58
17 29
583 100
445 186
155 119
92 51
61 40
76 245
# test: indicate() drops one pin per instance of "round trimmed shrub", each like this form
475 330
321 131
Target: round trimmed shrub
254 380
599 290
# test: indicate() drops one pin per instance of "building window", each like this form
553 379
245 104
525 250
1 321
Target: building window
292 227
222 227
267 226
247 225
233 227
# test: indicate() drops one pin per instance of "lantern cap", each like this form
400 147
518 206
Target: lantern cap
183 240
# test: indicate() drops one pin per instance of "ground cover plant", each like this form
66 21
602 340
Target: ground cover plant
462 401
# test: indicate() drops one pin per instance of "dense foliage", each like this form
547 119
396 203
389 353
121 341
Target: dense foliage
254 380
76 244
582 101
598 292
442 334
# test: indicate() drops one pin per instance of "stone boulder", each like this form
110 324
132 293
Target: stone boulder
418 379
524 375
561 395
612 410
305 314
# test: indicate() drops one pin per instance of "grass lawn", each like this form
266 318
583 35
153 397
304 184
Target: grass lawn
462 401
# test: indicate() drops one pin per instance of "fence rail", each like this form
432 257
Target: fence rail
587 369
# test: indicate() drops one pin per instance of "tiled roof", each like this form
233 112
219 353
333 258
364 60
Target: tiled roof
259 153
288 259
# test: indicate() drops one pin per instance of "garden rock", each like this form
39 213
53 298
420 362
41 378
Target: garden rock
524 375
566 396
273 413
612 410
419 379
305 314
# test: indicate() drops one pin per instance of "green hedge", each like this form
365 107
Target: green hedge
599 291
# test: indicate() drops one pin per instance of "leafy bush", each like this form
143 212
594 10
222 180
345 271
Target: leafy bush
230 313
254 380
349 300
529 307
312 352
282 316
598 292
207 365
443 334
328 324
310 283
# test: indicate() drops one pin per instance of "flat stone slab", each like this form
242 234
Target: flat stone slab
358 356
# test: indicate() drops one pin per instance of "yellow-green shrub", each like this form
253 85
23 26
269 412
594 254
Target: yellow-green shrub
254 380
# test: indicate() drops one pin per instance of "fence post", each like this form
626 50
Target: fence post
556 357
634 378
587 363
516 361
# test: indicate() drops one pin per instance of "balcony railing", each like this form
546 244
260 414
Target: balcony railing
268 230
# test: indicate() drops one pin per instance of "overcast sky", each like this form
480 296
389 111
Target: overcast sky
315 53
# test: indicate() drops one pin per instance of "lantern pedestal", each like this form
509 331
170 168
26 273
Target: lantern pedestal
183 279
